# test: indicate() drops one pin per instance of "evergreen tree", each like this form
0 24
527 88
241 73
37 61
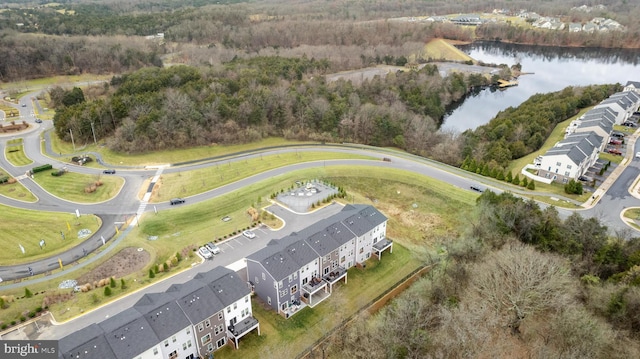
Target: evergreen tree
27 293
107 291
123 285
112 282
516 180
500 176
532 185
472 165
524 182
509 177
152 274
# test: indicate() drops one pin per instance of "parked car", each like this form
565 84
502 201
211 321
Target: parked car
176 201
212 247
249 234
476 188
629 124
617 134
38 120
109 171
615 142
205 253
637 154
585 179
614 151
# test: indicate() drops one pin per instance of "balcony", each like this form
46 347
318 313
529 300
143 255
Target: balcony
242 328
381 245
314 285
335 276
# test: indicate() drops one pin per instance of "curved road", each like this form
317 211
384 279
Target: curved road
126 205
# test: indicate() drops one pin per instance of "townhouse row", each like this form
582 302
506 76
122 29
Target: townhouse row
188 321
301 269
587 137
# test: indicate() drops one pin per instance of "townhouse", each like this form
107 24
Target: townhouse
623 103
300 270
571 157
632 86
189 321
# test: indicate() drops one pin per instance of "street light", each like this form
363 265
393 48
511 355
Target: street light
94 135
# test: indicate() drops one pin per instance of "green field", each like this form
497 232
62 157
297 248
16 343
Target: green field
14 152
71 186
188 183
27 228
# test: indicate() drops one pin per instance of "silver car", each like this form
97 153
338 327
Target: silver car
213 248
205 253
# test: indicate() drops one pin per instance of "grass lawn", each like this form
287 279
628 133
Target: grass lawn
165 157
15 190
27 228
611 157
440 49
71 186
632 213
14 152
20 88
286 338
188 183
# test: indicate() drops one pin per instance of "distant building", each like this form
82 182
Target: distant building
633 86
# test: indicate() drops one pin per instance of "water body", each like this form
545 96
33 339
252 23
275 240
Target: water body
553 69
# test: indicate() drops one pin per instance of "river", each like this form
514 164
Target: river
551 68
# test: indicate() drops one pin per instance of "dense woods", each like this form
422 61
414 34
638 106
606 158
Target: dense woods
180 106
522 282
516 132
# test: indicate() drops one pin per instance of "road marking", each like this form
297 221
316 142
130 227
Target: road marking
227 243
236 239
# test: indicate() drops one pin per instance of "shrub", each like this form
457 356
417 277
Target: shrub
165 267
107 291
58 173
4 326
178 256
152 274
524 182
41 168
4 179
112 282
156 268
27 293
573 187
13 322
532 185
32 314
123 285
22 318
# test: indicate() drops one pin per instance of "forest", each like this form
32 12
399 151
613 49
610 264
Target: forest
521 282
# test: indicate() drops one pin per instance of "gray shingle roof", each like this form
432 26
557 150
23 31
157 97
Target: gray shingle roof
635 84
88 343
229 288
167 319
200 304
576 146
322 237
132 339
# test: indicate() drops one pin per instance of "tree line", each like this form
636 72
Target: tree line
520 280
249 99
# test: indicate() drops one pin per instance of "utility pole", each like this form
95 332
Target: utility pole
72 142
94 135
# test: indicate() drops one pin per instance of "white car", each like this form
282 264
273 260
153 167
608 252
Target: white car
249 234
213 248
637 154
205 253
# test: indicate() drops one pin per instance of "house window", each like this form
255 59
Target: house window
206 339
290 279
568 166
327 257
361 250
283 293
166 343
295 275
294 289
220 342
368 255
173 354
173 339
559 164
342 259
215 330
189 343
263 276
220 316
326 271
155 351
269 300
200 327
184 346
304 281
210 347
228 309
280 284
566 173
235 305
246 299
207 323
188 330
334 264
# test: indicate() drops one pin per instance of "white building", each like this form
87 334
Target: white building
571 157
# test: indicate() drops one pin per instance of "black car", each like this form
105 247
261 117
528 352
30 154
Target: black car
176 201
629 124
476 188
109 172
38 120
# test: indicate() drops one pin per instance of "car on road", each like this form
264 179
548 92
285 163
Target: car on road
614 151
213 248
249 234
637 154
109 171
174 201
476 188
205 253
38 120
24 105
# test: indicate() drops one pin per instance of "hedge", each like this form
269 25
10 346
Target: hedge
41 168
